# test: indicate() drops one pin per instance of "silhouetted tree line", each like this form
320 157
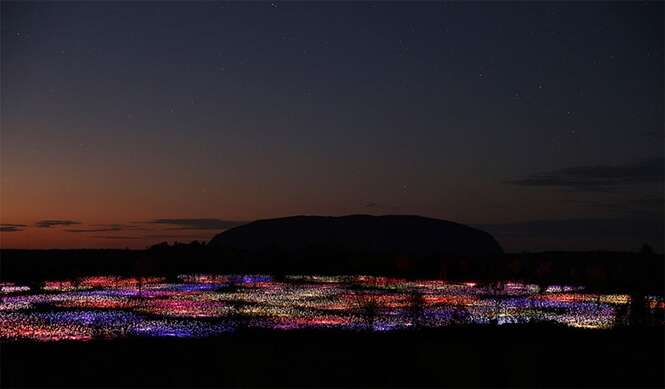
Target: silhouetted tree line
640 272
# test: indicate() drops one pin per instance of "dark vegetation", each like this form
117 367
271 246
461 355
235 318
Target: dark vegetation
602 271
401 246
539 355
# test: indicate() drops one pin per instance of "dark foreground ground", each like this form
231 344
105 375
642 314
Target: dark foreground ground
552 357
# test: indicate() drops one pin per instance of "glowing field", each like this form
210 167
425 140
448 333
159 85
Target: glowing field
206 305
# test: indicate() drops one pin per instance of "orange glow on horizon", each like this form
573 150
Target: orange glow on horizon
58 238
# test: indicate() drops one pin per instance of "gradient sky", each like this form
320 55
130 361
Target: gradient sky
126 124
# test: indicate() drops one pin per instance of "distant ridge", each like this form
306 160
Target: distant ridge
402 235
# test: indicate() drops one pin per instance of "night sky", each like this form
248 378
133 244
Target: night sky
127 124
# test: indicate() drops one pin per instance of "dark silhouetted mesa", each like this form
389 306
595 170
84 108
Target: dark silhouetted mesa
313 242
399 234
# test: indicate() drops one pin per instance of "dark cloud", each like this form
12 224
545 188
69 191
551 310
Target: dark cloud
381 207
599 177
108 228
172 236
656 202
197 224
653 204
97 230
55 223
116 237
582 228
656 135
11 227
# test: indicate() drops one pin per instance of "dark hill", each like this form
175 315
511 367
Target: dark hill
357 238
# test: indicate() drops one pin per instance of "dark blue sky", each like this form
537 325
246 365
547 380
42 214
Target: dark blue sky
118 114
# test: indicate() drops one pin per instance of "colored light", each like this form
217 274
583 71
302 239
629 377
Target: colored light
205 305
